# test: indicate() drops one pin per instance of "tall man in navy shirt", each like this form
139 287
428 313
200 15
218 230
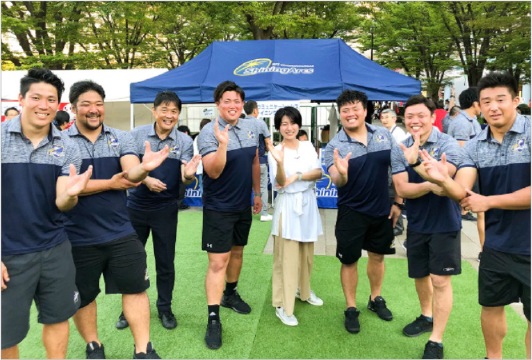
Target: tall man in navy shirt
228 146
500 157
358 159
434 222
39 181
103 239
153 205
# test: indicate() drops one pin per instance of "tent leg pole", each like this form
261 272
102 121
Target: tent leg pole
131 116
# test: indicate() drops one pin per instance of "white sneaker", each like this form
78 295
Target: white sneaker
287 320
266 217
312 300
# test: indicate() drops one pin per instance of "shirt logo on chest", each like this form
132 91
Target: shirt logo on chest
380 138
113 142
519 145
434 152
251 135
57 151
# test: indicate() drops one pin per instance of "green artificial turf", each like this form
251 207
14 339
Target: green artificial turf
320 333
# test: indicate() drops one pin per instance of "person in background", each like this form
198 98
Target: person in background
294 169
231 173
252 110
199 172
455 110
39 182
62 120
182 186
440 113
500 157
10 113
302 135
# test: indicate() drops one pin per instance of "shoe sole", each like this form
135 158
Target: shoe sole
287 324
416 335
352 331
121 327
213 347
234 309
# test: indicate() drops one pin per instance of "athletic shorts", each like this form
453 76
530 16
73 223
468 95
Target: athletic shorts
438 254
355 231
48 277
504 279
122 263
223 230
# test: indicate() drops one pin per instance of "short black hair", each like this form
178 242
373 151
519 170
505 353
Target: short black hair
291 112
37 75
225 87
439 104
81 87
167 97
468 97
454 110
420 99
11 108
250 106
204 122
61 118
524 109
350 97
183 129
498 79
301 133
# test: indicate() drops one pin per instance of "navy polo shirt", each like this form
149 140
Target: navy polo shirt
169 172
101 217
231 191
31 221
502 169
430 213
264 133
366 190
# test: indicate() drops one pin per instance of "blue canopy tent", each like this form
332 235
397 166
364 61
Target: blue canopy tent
315 69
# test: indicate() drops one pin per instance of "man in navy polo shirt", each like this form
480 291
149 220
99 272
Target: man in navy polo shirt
39 181
103 239
434 222
153 206
228 146
358 159
500 156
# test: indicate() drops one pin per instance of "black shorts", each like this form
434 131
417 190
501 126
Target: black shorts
122 263
355 231
48 277
223 230
438 254
504 279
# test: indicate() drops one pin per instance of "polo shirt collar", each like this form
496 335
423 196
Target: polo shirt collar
518 127
172 135
222 122
15 126
347 138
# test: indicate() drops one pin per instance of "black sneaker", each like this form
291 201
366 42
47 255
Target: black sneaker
417 327
433 350
122 322
351 322
379 306
149 354
168 320
213 336
236 303
479 256
94 351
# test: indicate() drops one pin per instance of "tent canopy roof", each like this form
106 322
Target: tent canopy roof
317 70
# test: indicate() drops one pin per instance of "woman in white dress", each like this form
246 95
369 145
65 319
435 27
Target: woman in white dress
296 225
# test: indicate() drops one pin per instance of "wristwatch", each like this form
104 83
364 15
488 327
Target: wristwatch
417 163
299 176
400 206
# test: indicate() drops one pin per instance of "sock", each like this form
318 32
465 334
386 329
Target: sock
427 318
437 343
230 288
214 312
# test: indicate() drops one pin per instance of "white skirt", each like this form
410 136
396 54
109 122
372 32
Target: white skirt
300 216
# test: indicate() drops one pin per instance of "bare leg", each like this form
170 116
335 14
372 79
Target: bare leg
137 312
493 320
55 339
85 320
349 278
375 273
10 353
235 264
424 294
215 277
442 304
